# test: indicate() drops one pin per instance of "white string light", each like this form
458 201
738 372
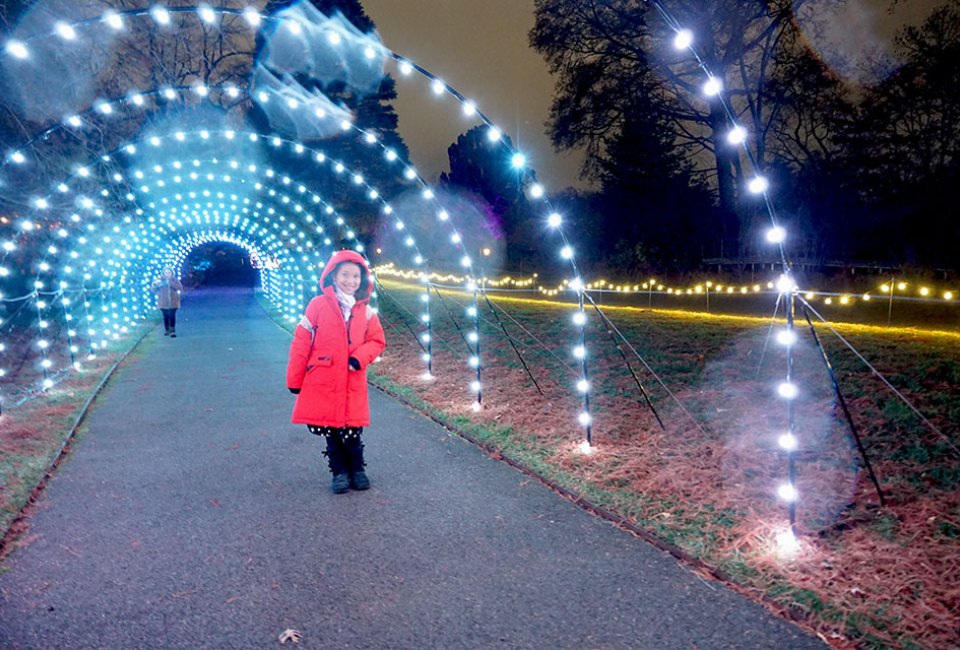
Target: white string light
161 16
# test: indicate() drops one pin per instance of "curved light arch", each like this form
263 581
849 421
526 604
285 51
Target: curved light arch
177 249
254 18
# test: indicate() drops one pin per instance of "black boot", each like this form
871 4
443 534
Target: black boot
354 447
337 458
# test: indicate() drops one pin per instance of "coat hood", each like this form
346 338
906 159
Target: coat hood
338 258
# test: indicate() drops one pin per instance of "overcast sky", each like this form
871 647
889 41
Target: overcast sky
480 47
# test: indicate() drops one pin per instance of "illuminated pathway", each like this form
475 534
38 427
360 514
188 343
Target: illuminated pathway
192 515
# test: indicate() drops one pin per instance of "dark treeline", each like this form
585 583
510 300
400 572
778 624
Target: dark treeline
859 174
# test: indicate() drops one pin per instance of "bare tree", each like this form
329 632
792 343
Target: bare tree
607 53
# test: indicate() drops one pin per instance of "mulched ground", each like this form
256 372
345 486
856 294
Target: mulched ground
866 575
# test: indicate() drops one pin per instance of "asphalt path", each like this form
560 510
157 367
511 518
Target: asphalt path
191 514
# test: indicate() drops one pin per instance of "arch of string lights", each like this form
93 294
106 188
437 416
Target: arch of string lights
133 306
138 254
684 39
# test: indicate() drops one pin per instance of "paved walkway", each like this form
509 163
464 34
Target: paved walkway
191 515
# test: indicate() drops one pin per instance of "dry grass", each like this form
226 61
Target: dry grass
866 575
36 431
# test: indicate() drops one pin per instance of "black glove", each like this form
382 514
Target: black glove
295 391
354 364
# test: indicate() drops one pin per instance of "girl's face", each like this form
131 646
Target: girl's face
347 278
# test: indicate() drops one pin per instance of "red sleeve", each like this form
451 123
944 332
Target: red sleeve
373 344
300 347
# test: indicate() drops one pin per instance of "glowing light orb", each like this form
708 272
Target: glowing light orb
787 390
787 441
683 39
161 15
17 49
787 544
113 19
712 87
758 185
776 235
65 31
786 337
737 135
787 492
518 160
786 284
252 16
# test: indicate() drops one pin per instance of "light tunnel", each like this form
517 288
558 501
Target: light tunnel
86 250
113 260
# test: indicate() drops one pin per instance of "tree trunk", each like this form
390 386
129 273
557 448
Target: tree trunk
726 181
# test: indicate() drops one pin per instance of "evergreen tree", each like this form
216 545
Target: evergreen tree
372 112
484 168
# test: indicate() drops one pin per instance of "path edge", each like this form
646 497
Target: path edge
16 527
793 615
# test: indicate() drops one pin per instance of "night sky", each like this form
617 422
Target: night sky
480 48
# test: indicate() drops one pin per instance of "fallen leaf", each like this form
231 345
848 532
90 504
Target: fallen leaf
289 635
70 551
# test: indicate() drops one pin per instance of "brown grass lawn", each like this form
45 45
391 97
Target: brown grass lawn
866 575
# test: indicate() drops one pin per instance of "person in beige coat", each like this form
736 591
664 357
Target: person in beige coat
168 288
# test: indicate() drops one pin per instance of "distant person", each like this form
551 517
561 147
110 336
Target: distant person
168 288
337 338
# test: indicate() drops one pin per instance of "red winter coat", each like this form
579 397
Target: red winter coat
330 393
